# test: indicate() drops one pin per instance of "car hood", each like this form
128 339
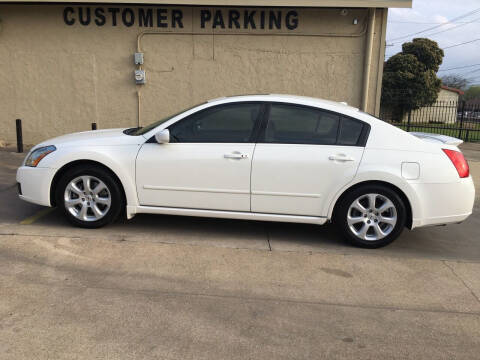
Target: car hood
95 137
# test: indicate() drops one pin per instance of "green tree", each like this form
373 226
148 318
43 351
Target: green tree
426 51
473 92
410 77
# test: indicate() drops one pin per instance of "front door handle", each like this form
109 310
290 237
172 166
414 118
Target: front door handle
341 158
236 155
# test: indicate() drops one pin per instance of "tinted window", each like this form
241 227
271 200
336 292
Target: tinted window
291 124
232 123
350 132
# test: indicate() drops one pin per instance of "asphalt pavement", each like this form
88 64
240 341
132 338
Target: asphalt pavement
165 287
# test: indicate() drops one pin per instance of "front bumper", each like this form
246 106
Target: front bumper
35 184
445 203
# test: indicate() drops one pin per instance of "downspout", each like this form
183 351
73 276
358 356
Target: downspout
381 60
368 58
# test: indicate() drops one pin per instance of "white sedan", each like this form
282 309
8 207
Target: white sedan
260 157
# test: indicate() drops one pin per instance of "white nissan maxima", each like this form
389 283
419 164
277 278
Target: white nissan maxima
261 157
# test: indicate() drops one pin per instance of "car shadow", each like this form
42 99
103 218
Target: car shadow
455 242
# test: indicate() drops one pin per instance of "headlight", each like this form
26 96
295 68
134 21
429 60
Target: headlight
38 154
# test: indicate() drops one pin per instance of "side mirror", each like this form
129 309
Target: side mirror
163 136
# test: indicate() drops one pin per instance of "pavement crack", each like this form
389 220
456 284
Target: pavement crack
42 235
463 282
97 286
268 237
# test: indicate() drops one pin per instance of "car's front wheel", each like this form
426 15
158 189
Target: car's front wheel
90 197
371 216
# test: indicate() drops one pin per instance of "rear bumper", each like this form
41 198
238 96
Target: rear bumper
444 203
35 184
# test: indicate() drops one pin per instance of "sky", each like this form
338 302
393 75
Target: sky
440 14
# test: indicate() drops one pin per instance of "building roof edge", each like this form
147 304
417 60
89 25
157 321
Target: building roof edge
246 3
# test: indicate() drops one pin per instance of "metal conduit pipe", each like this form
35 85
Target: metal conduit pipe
191 33
149 32
368 58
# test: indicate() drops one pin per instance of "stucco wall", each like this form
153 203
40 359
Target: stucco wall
59 78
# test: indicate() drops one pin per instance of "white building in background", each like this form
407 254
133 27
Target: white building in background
445 110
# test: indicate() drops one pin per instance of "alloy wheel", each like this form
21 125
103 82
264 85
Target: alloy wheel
372 217
87 198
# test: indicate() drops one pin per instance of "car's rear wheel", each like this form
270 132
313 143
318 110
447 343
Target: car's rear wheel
371 216
90 197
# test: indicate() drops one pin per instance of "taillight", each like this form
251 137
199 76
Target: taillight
459 162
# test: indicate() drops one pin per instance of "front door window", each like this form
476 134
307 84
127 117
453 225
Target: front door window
231 123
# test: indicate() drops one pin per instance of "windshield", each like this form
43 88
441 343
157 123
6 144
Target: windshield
144 130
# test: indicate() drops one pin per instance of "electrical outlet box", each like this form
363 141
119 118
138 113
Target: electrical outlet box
138 58
140 77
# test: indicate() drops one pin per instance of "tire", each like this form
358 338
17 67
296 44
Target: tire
366 226
89 196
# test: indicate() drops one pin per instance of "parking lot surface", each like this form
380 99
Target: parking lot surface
193 288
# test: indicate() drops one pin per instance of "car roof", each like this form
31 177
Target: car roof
341 107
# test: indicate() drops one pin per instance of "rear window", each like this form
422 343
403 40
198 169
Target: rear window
350 132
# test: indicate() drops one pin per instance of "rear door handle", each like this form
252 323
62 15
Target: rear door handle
236 155
341 158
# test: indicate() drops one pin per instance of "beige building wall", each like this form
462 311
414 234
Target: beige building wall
60 78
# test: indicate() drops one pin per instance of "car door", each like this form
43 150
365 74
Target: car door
304 156
207 163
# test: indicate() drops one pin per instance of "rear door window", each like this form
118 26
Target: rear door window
293 124
350 132
298 124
